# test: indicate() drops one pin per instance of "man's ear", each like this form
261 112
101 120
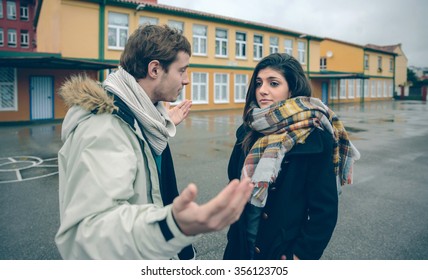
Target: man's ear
153 69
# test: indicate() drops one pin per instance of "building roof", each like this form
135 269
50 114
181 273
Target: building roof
50 61
166 9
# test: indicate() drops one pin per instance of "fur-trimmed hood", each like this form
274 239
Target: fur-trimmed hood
83 95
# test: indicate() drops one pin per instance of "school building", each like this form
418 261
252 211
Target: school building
67 37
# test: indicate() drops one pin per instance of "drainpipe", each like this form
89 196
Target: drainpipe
101 36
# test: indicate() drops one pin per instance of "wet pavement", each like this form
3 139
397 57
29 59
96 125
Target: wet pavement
382 216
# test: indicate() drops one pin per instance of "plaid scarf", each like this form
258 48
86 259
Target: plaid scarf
283 125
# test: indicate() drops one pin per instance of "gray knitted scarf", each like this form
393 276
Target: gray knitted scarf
157 125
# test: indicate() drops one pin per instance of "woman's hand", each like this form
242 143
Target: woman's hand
179 112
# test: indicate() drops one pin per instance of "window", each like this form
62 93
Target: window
391 90
373 90
199 88
176 24
199 39
23 11
1 37
8 98
221 88
1 8
258 47
11 38
366 61
351 84
288 46
301 51
221 42
333 94
273 47
379 64
366 88
148 20
379 89
11 10
241 45
117 30
323 63
391 65
240 87
385 88
358 91
343 89
24 38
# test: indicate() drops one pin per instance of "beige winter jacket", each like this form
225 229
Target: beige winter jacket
109 197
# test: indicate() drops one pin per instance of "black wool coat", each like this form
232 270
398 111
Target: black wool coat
302 205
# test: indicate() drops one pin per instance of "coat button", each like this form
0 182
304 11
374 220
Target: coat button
265 216
273 189
257 250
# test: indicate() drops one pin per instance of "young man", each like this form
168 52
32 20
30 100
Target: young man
117 189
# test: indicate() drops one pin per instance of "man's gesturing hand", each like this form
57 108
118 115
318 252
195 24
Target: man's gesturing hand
216 214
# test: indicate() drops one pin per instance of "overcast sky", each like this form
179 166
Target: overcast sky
379 22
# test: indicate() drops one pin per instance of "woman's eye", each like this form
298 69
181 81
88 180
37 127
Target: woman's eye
258 84
274 84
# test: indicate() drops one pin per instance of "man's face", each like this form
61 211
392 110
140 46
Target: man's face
171 83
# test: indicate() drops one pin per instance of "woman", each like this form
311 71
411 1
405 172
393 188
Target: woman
296 152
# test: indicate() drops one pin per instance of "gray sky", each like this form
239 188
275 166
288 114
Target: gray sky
380 22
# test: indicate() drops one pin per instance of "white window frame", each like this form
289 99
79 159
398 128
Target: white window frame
199 40
358 90
11 10
288 46
351 88
334 92
11 38
241 45
25 39
258 47
391 64
273 44
379 88
391 89
241 82
379 62
23 12
197 88
14 93
301 52
148 20
323 63
342 89
373 89
366 62
366 88
385 88
221 88
1 37
118 29
221 43
179 25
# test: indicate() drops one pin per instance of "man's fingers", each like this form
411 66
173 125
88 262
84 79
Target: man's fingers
187 196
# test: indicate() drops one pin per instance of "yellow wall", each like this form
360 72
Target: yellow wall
49 27
346 57
400 68
79 29
373 64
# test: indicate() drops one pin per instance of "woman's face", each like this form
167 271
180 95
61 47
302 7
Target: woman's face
271 87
